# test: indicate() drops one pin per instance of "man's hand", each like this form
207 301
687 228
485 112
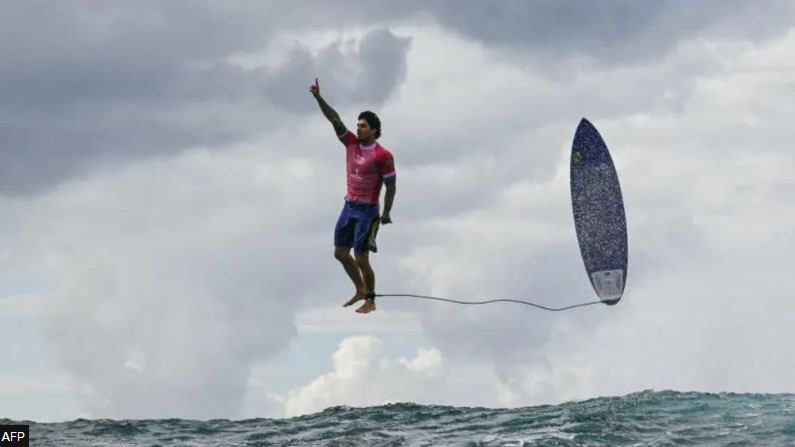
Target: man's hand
385 219
315 89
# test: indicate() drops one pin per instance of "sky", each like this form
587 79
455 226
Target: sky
169 189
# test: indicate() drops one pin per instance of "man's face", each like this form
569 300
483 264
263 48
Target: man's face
365 133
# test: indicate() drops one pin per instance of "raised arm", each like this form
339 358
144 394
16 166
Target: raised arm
330 113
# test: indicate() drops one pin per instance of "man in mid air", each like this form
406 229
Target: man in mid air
369 166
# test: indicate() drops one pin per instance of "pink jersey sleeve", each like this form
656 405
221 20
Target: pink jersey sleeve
348 138
386 163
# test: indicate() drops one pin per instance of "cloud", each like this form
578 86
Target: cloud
561 36
700 332
606 33
365 70
112 84
161 313
362 376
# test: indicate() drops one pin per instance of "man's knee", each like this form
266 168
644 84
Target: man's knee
341 253
362 259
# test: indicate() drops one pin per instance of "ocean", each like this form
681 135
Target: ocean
648 418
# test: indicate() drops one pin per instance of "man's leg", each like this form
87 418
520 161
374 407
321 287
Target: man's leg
363 263
343 254
343 241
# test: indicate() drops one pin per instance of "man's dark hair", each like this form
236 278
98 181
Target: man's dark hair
372 121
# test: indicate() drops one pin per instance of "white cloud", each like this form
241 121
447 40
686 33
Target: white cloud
362 376
428 362
259 402
165 279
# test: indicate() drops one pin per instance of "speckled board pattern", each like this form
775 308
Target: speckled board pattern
599 217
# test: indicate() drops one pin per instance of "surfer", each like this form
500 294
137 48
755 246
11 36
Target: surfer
369 167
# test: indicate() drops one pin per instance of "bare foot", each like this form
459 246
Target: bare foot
359 295
367 307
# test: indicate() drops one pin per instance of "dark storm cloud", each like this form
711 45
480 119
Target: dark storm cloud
87 82
96 82
615 31
369 75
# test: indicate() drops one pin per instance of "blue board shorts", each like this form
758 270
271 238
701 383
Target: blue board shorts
357 226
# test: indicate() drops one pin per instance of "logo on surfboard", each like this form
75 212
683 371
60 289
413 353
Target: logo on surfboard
577 157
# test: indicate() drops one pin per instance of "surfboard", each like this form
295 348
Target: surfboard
599 217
